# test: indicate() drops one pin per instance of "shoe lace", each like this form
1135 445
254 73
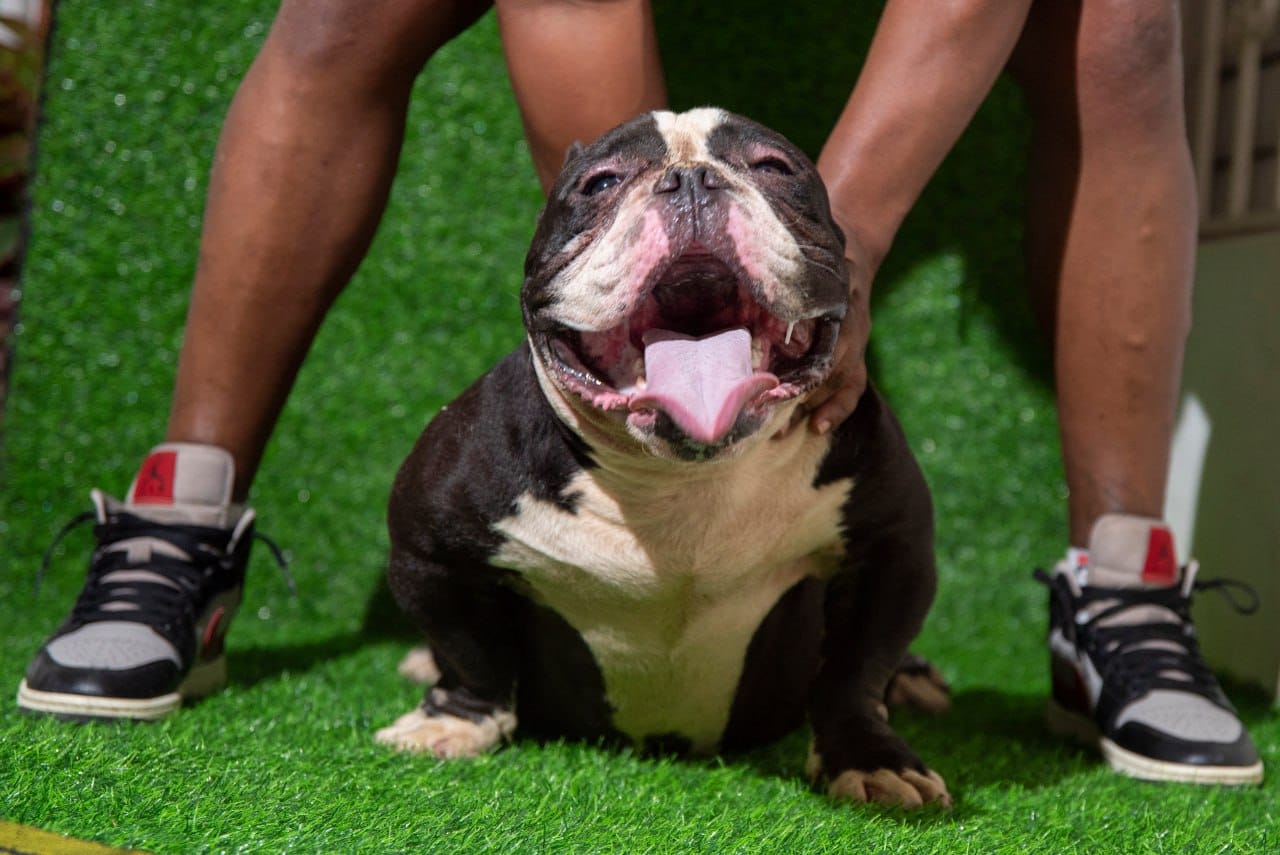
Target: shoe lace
1145 655
169 594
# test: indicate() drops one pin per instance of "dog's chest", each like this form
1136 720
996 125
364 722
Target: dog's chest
667 580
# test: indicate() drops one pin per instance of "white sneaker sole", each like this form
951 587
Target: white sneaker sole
204 679
1078 728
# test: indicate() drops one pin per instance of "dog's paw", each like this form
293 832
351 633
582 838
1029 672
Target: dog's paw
419 666
917 684
445 736
908 784
904 788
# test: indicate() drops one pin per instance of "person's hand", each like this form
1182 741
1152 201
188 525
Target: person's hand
835 400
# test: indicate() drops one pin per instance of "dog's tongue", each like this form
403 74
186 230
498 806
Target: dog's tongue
700 383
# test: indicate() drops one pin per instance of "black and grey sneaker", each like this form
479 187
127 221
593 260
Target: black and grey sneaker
164 582
1128 675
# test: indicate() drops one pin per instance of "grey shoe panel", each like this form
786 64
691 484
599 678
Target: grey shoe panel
1183 715
111 646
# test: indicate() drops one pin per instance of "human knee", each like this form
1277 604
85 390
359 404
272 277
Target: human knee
1116 60
1129 58
374 40
533 5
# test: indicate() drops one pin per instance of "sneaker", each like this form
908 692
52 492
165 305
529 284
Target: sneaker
1128 675
164 582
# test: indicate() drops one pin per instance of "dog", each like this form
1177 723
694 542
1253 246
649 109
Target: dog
623 531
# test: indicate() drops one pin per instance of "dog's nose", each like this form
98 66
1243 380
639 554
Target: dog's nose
695 179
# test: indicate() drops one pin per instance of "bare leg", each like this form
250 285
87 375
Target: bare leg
566 94
295 196
1111 251
1111 240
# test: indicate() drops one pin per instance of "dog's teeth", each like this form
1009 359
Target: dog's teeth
790 327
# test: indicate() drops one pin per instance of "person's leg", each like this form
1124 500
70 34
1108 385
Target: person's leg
302 172
301 176
1111 245
578 69
1111 239
295 196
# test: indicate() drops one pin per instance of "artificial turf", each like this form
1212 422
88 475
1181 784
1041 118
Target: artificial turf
284 759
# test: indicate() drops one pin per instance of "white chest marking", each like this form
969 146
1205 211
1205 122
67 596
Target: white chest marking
667 579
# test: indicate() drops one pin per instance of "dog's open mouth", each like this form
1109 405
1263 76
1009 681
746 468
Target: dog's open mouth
700 348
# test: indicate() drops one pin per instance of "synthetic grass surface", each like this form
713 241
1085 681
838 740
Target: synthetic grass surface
284 759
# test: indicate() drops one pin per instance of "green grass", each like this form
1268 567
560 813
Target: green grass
284 759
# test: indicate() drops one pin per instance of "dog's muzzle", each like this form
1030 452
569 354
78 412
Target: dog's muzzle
700 351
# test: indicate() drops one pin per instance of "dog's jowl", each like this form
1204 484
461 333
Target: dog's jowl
624 531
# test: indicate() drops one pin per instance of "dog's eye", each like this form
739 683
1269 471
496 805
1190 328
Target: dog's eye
600 182
772 166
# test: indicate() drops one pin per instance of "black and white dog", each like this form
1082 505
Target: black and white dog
620 531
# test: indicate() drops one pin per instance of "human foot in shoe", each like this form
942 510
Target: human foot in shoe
1128 674
163 583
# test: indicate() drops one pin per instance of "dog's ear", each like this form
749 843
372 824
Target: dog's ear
575 149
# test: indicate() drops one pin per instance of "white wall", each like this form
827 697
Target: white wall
1228 509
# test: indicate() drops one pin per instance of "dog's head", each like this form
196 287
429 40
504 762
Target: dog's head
686 282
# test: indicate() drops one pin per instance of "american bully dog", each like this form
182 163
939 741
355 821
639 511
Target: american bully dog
624 531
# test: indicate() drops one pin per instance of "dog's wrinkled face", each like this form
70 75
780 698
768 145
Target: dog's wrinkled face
686 281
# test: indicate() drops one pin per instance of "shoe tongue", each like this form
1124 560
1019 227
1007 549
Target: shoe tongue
700 383
1131 552
1136 552
185 483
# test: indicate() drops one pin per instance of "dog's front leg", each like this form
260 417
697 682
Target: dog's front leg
872 612
471 621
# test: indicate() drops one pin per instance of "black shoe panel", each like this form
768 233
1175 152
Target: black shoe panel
151 680
1149 742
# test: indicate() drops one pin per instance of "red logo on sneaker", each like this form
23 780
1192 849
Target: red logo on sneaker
1161 567
215 635
155 479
